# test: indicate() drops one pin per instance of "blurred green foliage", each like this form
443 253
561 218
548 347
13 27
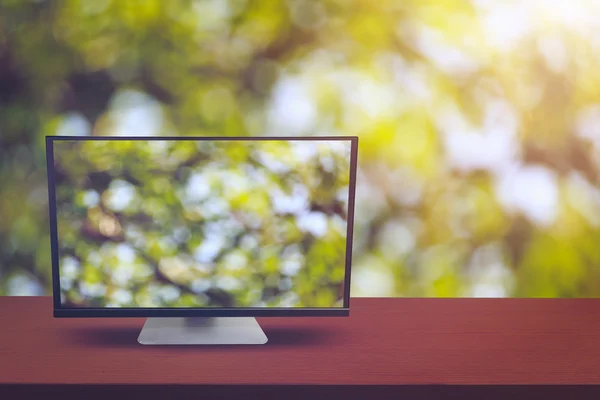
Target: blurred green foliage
202 223
478 120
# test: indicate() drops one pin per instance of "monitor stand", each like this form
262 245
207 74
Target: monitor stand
201 331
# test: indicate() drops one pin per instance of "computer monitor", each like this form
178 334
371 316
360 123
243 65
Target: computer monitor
190 232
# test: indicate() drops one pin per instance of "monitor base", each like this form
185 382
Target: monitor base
201 331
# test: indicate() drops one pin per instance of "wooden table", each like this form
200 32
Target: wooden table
383 342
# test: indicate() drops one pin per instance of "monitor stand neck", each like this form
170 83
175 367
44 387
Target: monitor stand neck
201 331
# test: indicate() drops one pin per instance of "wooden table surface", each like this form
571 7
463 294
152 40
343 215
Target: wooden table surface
384 341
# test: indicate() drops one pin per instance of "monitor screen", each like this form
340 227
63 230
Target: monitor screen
201 223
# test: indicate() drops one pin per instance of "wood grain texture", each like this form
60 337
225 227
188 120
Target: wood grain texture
384 341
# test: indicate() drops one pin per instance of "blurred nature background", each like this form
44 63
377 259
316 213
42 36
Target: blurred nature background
202 223
479 122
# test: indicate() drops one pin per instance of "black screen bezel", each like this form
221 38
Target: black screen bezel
60 311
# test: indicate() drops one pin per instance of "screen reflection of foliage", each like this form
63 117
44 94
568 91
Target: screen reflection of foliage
202 223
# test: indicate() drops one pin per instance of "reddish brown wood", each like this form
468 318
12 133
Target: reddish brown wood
384 341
